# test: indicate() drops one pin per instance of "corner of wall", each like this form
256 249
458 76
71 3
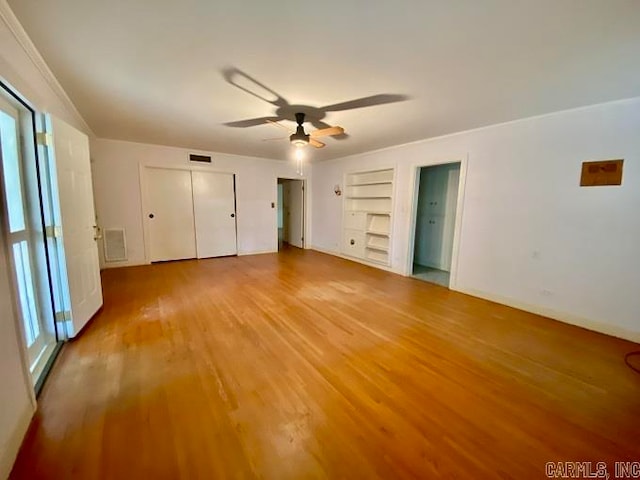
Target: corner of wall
26 44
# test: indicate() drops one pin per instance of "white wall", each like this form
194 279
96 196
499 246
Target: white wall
530 236
116 178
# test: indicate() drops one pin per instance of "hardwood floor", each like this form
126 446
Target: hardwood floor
302 365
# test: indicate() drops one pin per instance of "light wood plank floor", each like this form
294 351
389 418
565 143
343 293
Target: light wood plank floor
302 365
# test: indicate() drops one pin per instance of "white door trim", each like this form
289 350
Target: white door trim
415 180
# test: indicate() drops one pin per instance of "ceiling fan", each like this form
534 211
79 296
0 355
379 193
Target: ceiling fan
286 111
300 138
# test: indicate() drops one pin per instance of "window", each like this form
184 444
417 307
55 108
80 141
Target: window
25 238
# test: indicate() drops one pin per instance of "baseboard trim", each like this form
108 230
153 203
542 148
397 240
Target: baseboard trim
107 266
8 455
607 329
138 264
323 250
564 317
260 252
357 260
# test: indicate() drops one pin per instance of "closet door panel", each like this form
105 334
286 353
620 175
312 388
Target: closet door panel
169 214
215 214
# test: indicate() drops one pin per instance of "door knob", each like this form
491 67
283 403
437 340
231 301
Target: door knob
151 215
233 215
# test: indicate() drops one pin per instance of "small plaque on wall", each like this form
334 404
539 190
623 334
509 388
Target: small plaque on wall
605 172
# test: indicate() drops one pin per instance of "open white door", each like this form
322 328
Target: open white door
296 213
214 207
169 211
78 221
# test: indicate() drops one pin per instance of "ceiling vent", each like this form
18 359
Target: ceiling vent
115 246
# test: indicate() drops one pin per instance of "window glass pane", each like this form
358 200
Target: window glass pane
30 289
23 276
11 170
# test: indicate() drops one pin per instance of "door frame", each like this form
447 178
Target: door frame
22 236
7 246
142 180
305 202
415 182
31 124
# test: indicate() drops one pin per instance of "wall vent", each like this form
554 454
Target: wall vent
115 245
200 158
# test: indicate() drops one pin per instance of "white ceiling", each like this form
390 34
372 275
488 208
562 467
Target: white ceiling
152 70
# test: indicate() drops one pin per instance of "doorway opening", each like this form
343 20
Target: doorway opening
436 208
290 213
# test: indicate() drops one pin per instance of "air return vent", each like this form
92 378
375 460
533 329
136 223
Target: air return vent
115 246
200 158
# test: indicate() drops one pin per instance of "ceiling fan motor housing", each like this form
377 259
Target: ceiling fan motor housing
299 138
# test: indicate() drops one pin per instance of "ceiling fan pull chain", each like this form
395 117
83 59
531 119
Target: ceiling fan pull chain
299 166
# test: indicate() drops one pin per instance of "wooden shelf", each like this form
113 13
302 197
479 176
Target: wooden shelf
379 233
364 184
370 212
366 197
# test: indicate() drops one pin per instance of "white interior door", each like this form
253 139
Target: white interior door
296 213
77 215
435 245
214 207
170 223
453 180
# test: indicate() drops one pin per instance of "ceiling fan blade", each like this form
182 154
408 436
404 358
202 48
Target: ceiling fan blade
252 122
274 138
365 102
315 143
276 124
327 131
247 83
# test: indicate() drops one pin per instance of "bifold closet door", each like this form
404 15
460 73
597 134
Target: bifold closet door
215 214
170 214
